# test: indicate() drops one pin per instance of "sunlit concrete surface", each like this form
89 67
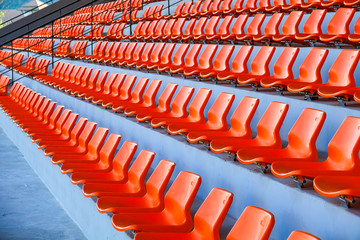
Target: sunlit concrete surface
28 211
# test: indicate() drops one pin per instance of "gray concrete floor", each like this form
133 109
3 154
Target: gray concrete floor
28 211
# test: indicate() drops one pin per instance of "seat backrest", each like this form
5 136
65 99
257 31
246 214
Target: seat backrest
151 29
140 168
219 110
310 68
85 134
169 27
69 125
341 72
46 109
224 28
166 96
284 64
260 63
199 27
109 83
102 49
138 92
150 93
221 61
155 55
254 223
268 128
138 52
159 179
226 5
210 28
187 7
239 26
206 5
179 8
61 120
198 104
159 30
299 235
145 56
181 100
113 53
178 27
115 88
239 64
69 70
264 4
107 151
190 27
211 213
123 159
313 23
242 116
122 50
303 134
206 58
178 58
74 73
145 26
357 27
167 53
272 26
78 77
94 77
109 49
138 28
339 24
125 90
196 7
343 149
99 85
97 48
86 78
254 27
97 140
55 116
192 56
129 53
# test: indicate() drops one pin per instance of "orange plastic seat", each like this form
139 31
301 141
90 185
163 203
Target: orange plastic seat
343 159
163 103
254 223
312 27
207 220
152 58
237 29
174 217
152 200
222 31
196 111
299 235
301 143
282 67
179 65
97 97
103 162
118 170
254 28
309 71
338 27
216 117
354 38
271 28
259 67
204 62
221 63
290 27
134 184
239 65
340 74
178 107
89 153
70 134
209 30
268 135
239 121
123 93
78 145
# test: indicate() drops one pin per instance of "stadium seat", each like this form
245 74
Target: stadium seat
196 111
342 158
341 74
174 217
254 223
309 71
268 129
102 162
178 107
216 117
133 186
239 121
207 220
312 27
301 143
152 200
118 170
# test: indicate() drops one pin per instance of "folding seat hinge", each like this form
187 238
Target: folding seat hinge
299 181
262 167
346 201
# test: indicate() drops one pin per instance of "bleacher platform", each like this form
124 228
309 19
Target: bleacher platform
223 119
